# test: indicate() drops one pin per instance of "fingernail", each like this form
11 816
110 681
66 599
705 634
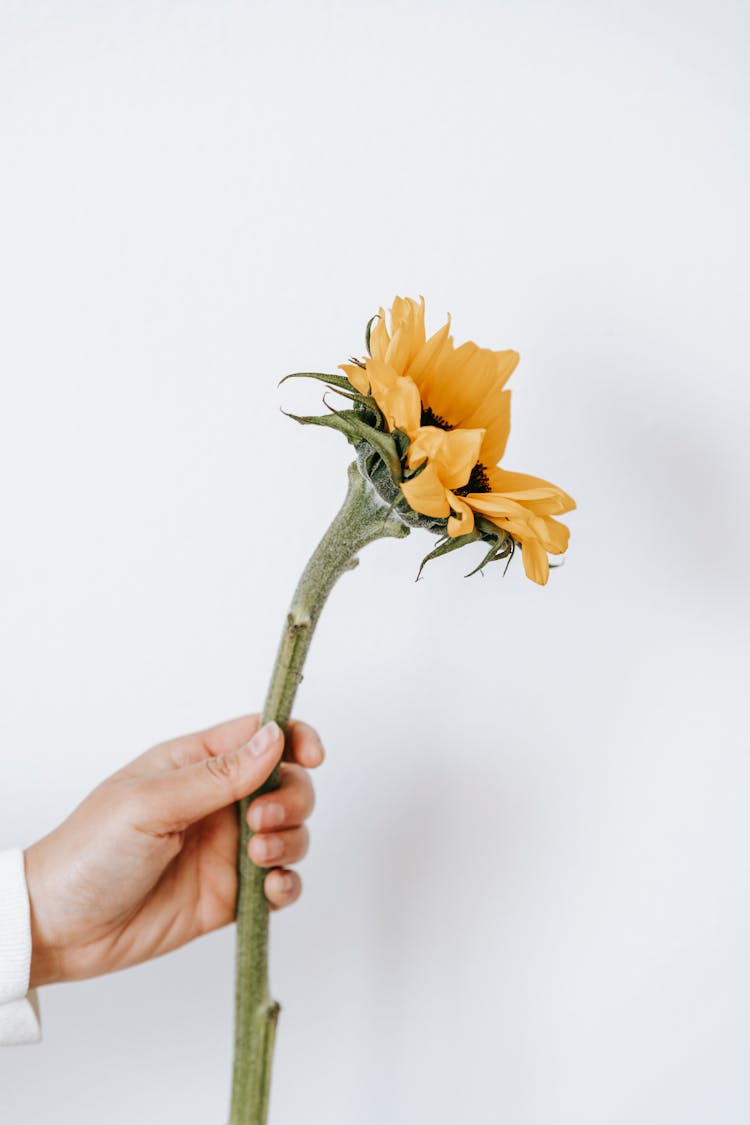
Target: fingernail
262 816
288 883
271 816
264 739
270 847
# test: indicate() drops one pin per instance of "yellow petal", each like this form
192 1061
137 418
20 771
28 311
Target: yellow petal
401 405
401 310
399 349
495 417
426 444
518 528
540 496
453 452
461 520
408 314
554 536
428 355
493 504
379 338
458 456
357 376
458 393
535 561
425 494
381 375
443 382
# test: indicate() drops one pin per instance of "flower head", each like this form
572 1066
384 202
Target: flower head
441 414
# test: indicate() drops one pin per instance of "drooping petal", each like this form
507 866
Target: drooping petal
458 456
493 504
554 536
461 520
453 452
541 496
425 494
425 444
357 376
401 405
535 561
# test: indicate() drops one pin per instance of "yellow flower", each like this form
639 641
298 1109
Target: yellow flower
451 403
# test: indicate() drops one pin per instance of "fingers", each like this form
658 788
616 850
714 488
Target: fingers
273 849
225 736
282 888
190 748
175 798
285 807
303 745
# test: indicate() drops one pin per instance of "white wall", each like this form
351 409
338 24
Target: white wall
528 898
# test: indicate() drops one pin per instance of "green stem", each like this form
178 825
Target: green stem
363 517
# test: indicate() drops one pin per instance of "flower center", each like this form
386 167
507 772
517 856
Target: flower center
478 481
430 418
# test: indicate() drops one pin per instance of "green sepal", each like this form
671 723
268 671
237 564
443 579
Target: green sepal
356 396
402 440
370 406
337 421
383 443
502 545
365 407
340 382
368 330
350 423
444 547
343 387
499 550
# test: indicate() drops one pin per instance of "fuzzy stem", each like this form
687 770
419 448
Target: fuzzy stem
362 518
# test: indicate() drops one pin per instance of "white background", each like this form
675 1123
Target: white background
528 897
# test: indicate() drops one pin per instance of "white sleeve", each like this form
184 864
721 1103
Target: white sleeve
19 1010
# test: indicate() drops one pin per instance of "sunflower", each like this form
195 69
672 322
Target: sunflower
452 405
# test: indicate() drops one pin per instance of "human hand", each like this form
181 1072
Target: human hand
148 861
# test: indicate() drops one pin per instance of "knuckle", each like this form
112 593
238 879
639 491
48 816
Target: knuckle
290 775
302 792
223 768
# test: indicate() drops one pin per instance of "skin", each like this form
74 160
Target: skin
148 861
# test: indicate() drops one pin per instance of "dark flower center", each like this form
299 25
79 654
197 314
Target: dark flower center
477 482
430 418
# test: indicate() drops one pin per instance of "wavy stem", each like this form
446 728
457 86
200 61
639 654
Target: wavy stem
363 518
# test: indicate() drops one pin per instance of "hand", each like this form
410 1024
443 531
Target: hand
148 861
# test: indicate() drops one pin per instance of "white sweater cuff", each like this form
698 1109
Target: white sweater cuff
19 1011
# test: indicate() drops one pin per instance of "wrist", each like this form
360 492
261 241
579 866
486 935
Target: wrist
46 960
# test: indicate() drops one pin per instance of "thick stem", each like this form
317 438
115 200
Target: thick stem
361 519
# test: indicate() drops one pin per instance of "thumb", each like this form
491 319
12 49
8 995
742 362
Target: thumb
176 798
